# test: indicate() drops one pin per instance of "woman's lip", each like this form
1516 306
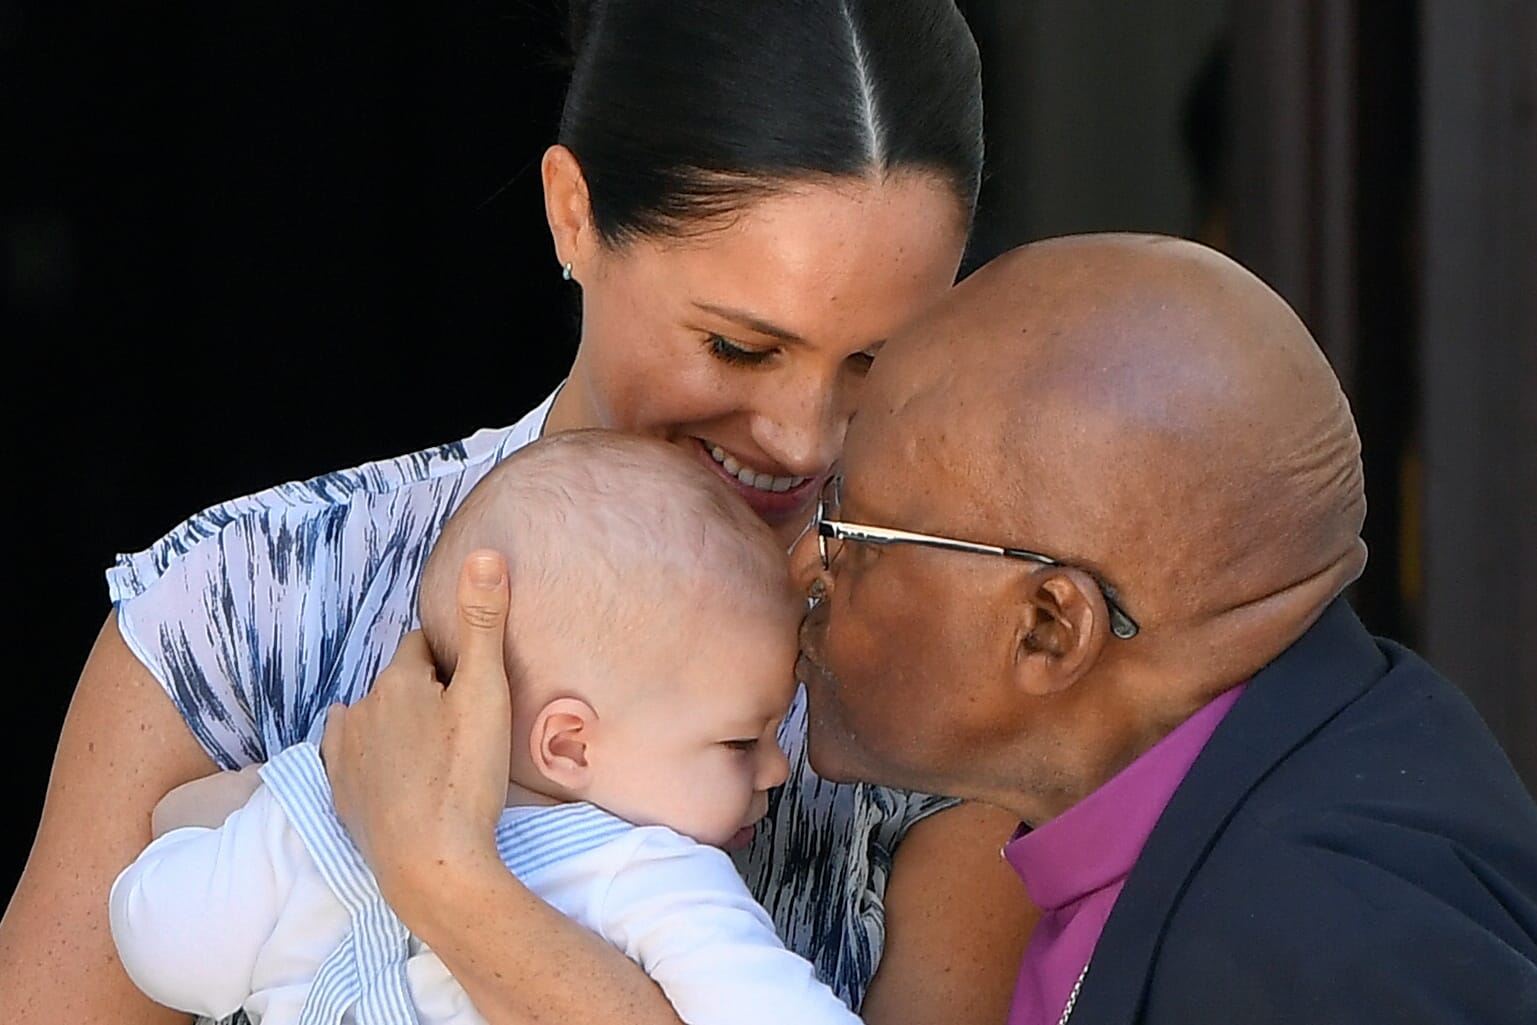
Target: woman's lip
777 471
773 506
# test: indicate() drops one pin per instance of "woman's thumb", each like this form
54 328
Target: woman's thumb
482 599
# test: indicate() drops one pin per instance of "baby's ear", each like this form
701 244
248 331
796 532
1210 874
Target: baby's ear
558 743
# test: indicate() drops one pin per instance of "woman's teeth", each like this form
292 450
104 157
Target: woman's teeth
750 477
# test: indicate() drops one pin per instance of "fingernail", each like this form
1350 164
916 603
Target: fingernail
486 572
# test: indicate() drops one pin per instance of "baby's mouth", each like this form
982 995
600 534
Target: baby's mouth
741 838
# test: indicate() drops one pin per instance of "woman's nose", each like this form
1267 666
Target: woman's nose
803 429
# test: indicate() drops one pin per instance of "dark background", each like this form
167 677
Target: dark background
248 243
252 242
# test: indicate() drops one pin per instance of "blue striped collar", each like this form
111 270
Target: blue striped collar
533 838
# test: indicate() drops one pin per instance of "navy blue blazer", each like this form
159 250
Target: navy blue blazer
1350 846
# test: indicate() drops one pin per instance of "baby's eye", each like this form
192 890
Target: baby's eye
744 745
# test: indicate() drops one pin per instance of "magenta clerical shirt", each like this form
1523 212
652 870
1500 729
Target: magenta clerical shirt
1075 865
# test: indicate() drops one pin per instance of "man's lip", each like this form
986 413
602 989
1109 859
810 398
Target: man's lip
774 507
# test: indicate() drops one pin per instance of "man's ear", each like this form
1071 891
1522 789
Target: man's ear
559 740
568 209
1062 627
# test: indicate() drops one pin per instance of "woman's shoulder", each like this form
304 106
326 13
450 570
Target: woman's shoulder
390 487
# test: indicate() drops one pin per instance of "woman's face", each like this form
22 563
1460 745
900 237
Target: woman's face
747 346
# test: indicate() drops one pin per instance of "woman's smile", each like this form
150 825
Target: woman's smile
773 496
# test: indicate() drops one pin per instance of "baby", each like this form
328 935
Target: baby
650 649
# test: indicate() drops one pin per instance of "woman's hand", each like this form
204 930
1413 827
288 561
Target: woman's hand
420 777
419 770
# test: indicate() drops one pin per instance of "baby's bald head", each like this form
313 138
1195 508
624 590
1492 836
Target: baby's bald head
613 543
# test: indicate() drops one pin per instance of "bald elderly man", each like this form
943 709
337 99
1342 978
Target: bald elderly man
1242 807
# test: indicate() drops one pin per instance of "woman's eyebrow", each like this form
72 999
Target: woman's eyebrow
751 322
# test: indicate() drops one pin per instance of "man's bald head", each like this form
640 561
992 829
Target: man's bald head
1154 419
1149 406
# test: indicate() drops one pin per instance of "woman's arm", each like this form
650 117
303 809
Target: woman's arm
957 920
122 748
419 775
524 963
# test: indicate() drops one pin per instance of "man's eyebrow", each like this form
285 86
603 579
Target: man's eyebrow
751 322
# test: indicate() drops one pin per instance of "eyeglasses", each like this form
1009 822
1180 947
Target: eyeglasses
831 533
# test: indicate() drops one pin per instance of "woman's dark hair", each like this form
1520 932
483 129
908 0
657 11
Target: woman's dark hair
682 111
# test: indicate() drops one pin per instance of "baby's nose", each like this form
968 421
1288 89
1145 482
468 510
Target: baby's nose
775 768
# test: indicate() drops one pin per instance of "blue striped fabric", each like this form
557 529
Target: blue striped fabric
366 973
532 843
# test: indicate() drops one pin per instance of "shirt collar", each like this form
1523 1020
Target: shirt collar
1094 843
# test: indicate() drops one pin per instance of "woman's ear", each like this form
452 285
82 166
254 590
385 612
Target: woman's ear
568 208
558 743
1062 627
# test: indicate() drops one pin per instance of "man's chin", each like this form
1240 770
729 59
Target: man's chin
835 757
833 773
829 752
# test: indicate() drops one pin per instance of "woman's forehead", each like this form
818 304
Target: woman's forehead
858 247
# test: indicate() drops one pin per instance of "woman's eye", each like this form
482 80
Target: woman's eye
745 745
727 350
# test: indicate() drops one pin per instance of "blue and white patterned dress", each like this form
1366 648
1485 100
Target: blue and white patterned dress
255 615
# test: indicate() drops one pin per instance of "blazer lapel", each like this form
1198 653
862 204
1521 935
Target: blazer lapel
1284 704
